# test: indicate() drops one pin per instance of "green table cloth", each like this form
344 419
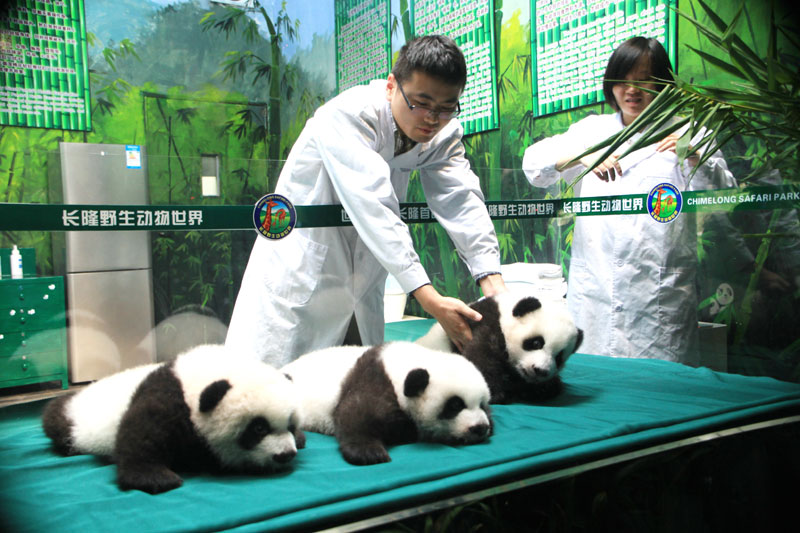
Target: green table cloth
609 406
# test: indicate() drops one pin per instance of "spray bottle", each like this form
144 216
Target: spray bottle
16 263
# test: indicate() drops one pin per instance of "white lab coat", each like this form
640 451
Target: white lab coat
631 284
299 293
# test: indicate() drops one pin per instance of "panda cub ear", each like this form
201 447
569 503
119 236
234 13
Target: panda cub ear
416 382
526 305
213 394
578 340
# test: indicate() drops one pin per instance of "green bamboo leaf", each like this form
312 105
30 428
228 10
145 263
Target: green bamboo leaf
655 133
709 139
109 55
711 14
699 111
790 36
772 51
763 104
699 120
749 74
663 106
791 150
682 146
612 143
742 48
784 76
126 48
204 20
728 32
708 154
713 37
717 62
741 101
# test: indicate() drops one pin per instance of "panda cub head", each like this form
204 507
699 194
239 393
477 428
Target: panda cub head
539 339
245 410
443 393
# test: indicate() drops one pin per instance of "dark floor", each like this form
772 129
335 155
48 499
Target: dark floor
747 482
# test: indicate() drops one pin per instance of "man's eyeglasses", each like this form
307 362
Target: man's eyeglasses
421 110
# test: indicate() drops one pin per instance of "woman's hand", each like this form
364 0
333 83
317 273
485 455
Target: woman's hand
451 313
605 171
670 143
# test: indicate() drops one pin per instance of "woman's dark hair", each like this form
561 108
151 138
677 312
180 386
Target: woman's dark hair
435 55
625 58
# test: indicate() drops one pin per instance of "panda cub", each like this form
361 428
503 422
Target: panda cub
394 393
519 346
207 409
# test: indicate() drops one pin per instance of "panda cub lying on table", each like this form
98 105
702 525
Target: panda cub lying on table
520 345
394 393
208 409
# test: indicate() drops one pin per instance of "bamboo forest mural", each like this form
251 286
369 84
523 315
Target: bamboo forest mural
190 79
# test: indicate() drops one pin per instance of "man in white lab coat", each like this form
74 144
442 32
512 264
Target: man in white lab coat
301 293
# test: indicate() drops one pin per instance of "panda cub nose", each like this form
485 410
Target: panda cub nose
283 457
479 430
541 372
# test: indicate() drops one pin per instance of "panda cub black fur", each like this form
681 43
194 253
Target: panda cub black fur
394 393
206 410
520 345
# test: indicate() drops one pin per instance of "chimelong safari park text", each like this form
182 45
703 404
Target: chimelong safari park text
745 198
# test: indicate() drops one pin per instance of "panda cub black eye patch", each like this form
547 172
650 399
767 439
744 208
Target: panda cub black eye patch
534 343
256 430
452 407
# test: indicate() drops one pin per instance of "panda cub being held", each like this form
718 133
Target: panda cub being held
394 393
208 410
520 345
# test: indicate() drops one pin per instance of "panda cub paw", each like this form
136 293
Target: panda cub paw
299 439
364 452
153 479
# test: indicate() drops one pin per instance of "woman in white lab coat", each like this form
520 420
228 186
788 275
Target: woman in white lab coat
631 278
300 293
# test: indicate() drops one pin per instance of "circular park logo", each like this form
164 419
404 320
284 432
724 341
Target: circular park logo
274 216
664 202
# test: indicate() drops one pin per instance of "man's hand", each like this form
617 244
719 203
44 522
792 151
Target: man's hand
451 313
492 284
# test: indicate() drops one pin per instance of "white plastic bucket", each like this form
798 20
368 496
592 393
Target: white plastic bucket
544 279
394 300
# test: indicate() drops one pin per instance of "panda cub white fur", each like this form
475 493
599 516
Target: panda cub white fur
394 393
209 409
520 345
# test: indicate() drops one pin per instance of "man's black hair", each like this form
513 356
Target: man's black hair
625 58
437 56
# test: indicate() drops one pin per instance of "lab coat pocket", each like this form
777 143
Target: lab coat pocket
581 290
677 308
299 263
